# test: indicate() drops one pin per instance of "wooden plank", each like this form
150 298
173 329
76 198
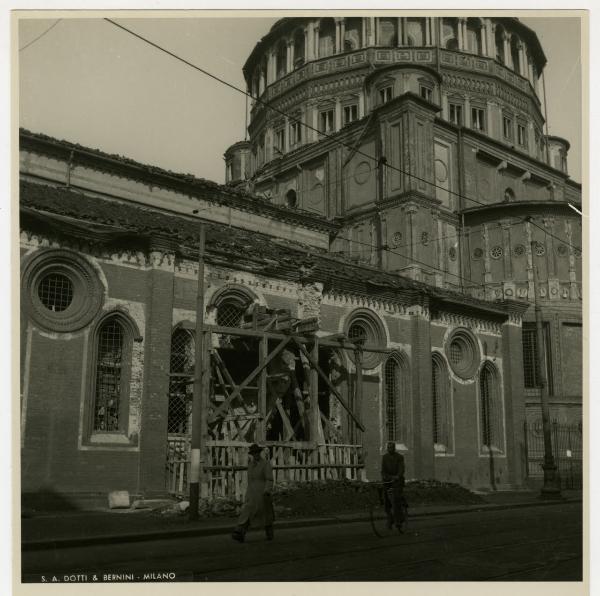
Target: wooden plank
262 365
263 350
335 392
287 427
222 370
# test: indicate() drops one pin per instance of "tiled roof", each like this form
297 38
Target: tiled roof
63 211
235 196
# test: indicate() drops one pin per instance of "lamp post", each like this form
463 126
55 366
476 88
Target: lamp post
551 486
197 402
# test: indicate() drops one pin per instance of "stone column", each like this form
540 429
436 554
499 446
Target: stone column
338 114
424 463
514 405
371 31
461 41
316 41
361 104
342 33
467 114
445 109
336 50
157 349
484 38
427 31
400 25
522 61
506 47
290 56
309 46
489 109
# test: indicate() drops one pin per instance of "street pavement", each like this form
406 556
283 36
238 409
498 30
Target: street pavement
540 542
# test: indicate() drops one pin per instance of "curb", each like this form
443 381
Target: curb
36 545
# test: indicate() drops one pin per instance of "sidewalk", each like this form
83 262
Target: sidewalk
61 530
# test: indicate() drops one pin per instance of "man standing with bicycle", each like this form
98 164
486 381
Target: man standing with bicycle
392 475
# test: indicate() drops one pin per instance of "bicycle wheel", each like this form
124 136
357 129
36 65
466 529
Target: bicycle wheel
380 521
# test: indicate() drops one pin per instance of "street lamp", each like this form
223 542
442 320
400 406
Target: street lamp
551 486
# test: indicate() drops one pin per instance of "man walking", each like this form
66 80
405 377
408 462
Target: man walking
392 475
258 506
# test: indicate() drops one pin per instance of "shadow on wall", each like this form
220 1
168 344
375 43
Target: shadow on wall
47 499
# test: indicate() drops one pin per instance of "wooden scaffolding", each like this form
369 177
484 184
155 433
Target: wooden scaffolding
272 381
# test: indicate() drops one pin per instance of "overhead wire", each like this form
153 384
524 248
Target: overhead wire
380 161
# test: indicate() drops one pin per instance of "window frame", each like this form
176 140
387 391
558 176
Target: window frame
122 436
494 406
479 111
385 94
508 127
453 106
443 399
522 139
349 107
325 116
426 92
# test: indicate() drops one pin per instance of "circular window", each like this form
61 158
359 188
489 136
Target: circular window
56 292
463 354
61 290
540 249
477 253
366 330
519 250
452 253
496 252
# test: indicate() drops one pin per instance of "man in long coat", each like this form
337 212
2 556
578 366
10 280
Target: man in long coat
257 510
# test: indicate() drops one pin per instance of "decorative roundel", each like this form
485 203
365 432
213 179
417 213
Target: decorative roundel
61 290
452 253
478 253
540 249
397 238
462 351
362 172
519 250
562 250
577 252
496 252
424 238
441 171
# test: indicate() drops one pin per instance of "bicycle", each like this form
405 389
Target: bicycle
377 511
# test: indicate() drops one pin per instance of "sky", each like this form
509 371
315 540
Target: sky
89 82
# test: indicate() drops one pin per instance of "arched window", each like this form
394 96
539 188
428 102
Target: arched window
397 405
441 405
299 48
491 413
180 390
365 328
474 37
415 32
326 38
514 53
291 199
111 377
388 34
450 33
231 303
353 36
281 60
